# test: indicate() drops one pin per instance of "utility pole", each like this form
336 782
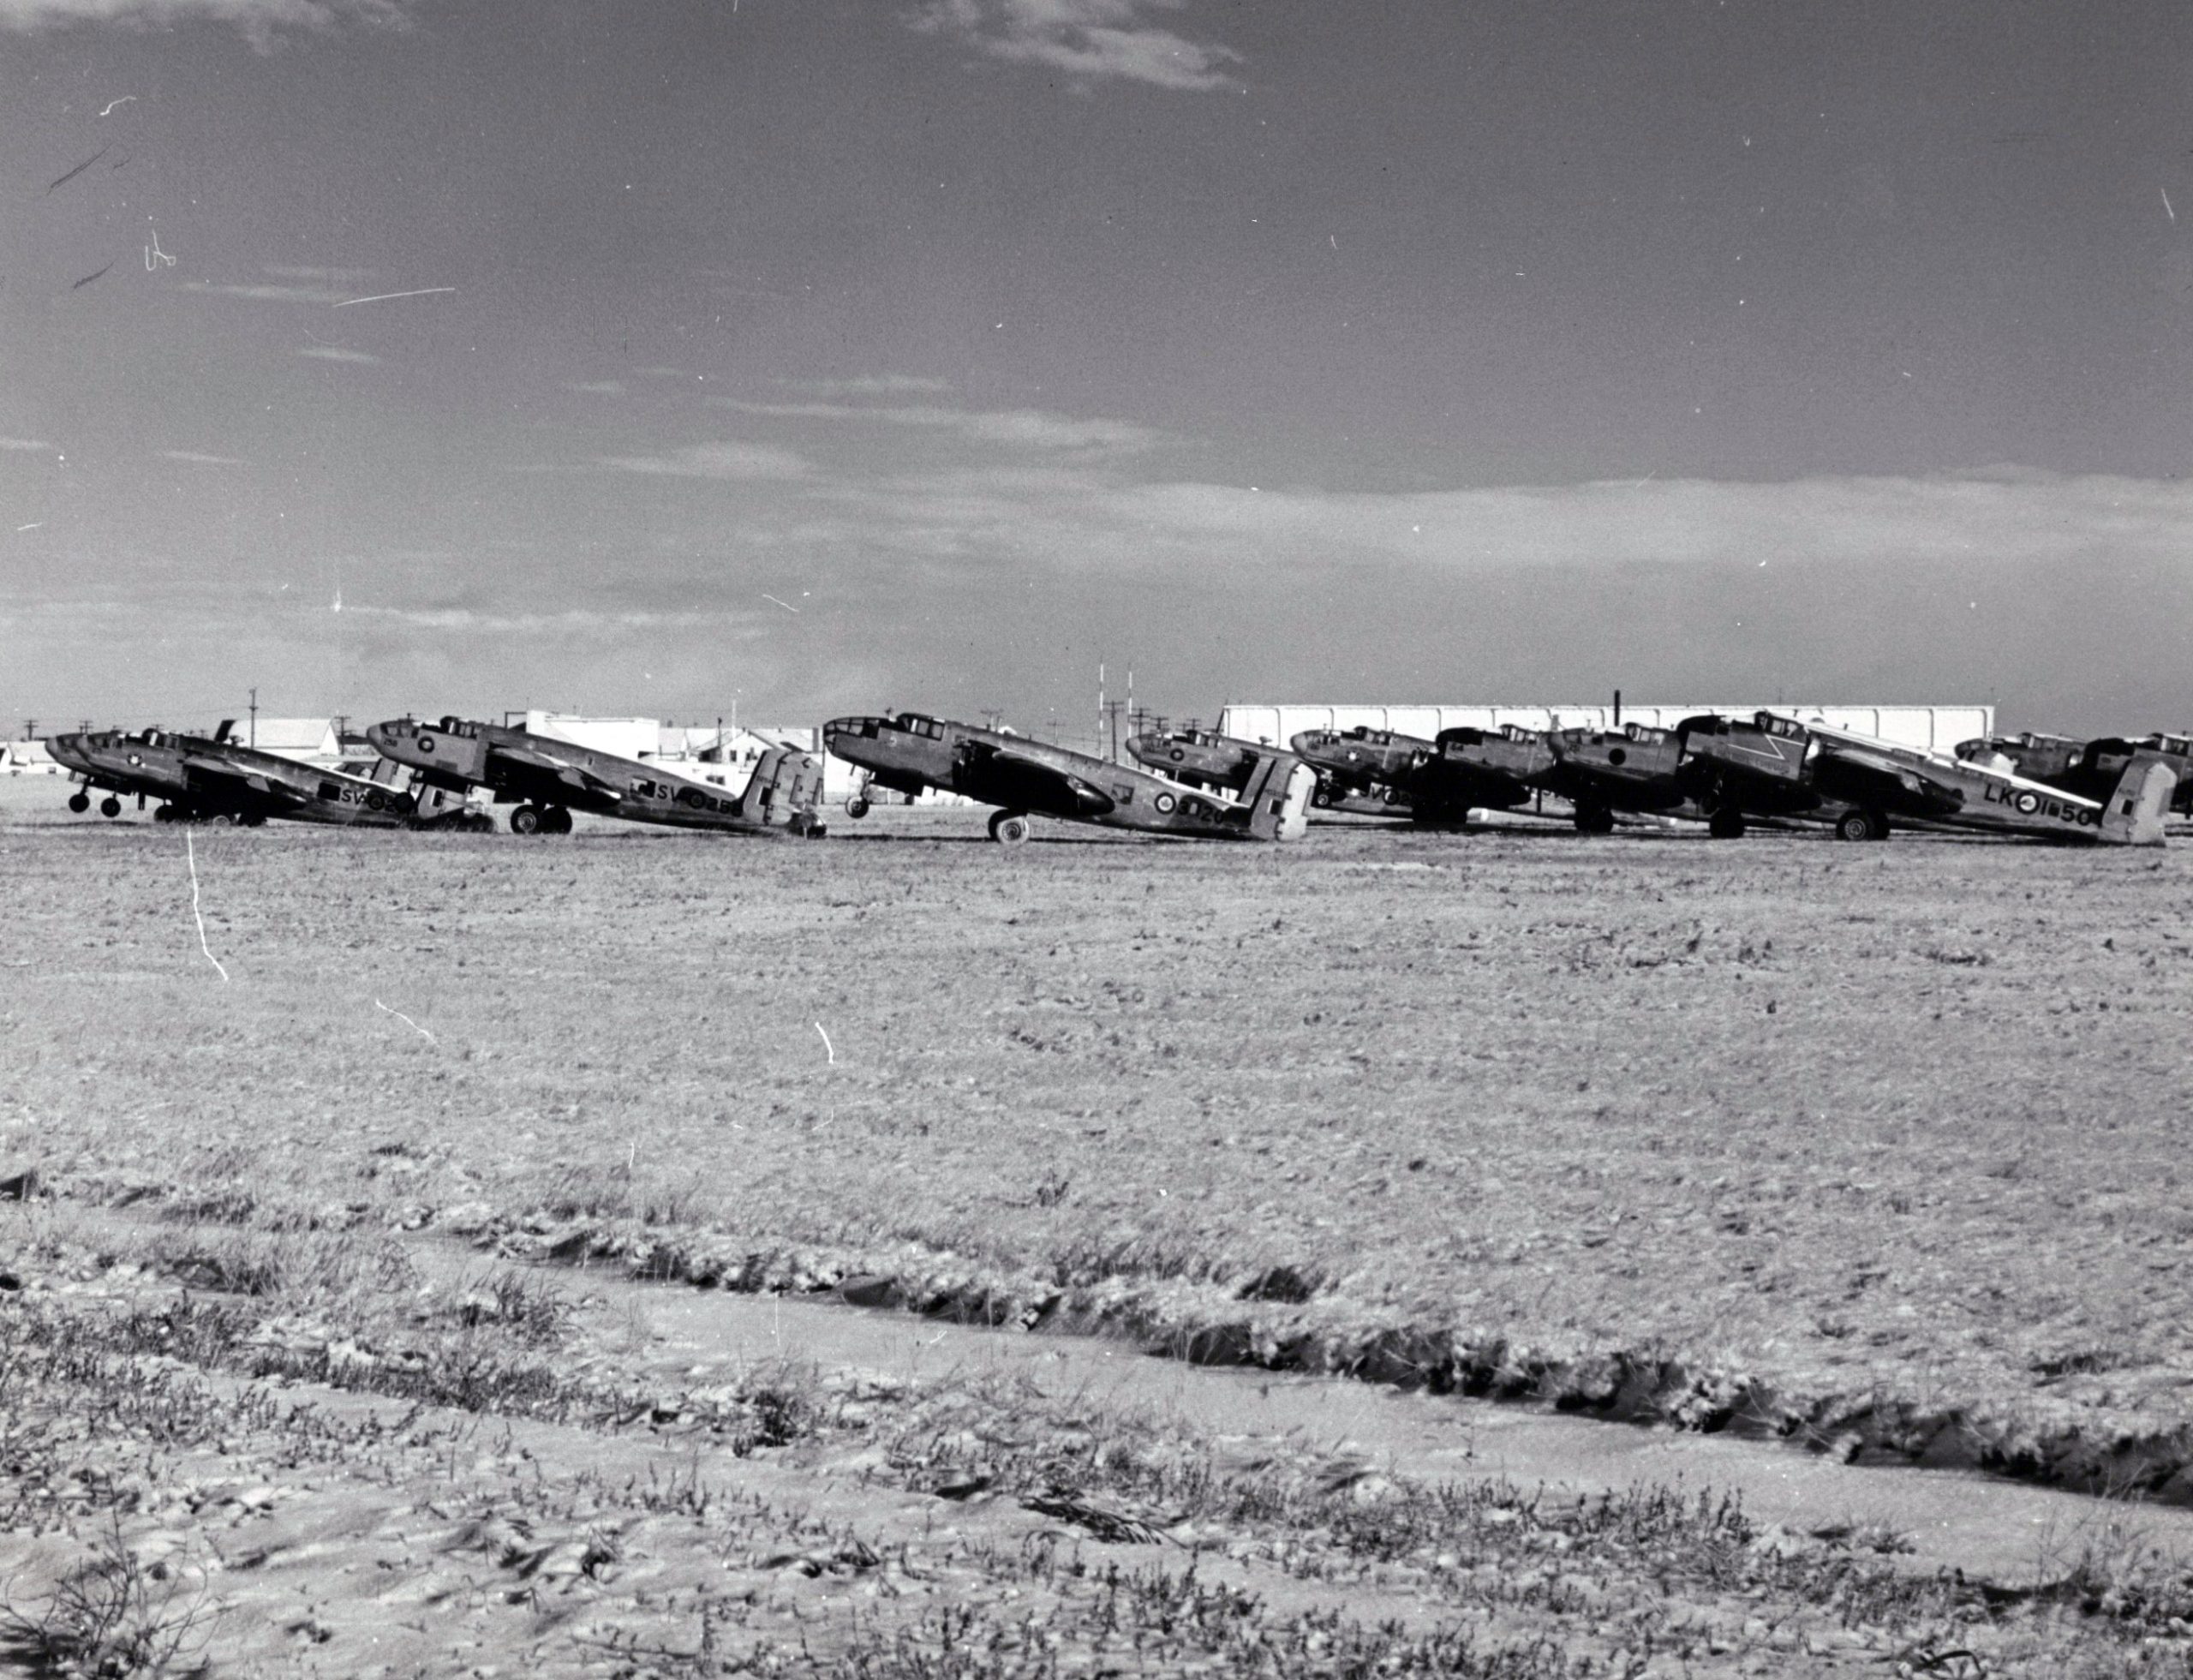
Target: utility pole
1113 757
254 718
30 729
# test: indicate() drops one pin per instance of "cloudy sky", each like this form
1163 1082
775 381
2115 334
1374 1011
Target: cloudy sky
826 355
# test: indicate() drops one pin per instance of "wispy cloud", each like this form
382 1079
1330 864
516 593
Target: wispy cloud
260 20
336 353
198 459
1093 40
874 384
333 276
596 387
729 461
23 444
266 293
1020 428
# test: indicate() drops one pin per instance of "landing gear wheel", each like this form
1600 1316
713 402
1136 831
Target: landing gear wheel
1594 820
525 820
1862 825
163 813
252 819
1322 798
109 806
857 807
1011 828
555 821
1725 825
80 803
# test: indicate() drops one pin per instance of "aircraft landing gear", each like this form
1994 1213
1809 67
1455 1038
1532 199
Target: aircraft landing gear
1010 829
555 820
857 807
1862 825
163 813
525 820
1725 824
1594 820
80 802
109 806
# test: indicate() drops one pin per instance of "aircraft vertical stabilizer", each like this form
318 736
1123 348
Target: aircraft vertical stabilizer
2134 815
784 789
1278 798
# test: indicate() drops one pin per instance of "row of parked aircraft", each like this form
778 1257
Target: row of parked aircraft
1722 771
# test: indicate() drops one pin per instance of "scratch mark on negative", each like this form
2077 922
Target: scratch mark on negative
126 100
406 1020
88 278
786 605
826 1049
191 852
79 168
385 297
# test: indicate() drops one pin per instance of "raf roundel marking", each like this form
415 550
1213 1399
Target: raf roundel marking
1164 802
2028 803
426 744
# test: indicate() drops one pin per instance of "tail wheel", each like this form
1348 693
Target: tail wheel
525 820
80 803
555 821
1725 825
1322 798
1594 820
1862 825
857 807
163 813
1010 829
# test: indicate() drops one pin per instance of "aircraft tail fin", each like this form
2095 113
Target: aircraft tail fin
1278 798
221 734
2139 801
785 790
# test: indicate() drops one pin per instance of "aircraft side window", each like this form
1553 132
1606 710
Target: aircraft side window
331 789
1124 794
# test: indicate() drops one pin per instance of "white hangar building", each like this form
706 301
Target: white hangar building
1929 728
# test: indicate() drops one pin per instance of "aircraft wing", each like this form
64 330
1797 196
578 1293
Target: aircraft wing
217 775
544 775
1018 778
1867 778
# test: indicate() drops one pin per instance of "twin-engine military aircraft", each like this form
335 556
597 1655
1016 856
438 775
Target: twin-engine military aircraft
1202 757
1362 769
197 777
1771 765
909 752
2088 768
550 778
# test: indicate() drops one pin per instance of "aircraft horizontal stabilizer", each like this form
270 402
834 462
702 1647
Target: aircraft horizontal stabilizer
2139 802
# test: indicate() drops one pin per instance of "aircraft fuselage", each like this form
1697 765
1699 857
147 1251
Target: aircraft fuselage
547 778
911 752
196 776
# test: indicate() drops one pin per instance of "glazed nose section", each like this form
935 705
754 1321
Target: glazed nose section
385 738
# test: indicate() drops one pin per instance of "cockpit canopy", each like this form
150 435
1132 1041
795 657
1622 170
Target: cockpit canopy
151 738
459 728
913 723
1787 728
1641 732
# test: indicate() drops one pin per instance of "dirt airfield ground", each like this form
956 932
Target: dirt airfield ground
1873 1148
